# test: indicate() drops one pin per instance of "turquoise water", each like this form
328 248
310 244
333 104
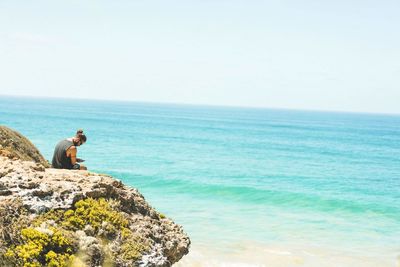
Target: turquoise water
234 176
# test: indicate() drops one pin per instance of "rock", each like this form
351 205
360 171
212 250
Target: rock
29 185
42 193
89 230
161 241
5 192
90 250
38 167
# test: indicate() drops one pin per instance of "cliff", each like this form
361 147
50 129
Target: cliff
57 217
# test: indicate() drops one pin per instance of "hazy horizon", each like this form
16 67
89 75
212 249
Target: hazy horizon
194 104
331 56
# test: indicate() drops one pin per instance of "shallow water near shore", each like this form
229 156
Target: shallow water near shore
286 255
251 187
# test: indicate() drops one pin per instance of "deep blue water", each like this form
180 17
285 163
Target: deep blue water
233 175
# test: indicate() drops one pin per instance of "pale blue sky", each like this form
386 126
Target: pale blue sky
325 55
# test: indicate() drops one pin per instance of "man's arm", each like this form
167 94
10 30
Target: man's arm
72 154
74 160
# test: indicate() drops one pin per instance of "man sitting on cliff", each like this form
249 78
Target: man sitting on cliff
65 153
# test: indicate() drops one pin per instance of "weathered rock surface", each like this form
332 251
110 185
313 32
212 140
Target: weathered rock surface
42 189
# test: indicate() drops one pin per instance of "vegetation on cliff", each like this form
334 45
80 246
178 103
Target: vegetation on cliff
52 238
16 146
61 218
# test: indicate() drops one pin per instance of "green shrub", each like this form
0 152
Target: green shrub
94 213
52 247
50 239
132 246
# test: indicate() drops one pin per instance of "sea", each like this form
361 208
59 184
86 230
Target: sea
250 186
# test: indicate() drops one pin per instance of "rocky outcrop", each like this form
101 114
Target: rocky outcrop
54 217
16 146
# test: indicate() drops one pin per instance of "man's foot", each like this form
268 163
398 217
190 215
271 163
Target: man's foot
83 168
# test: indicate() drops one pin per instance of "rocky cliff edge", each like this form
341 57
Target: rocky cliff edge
52 217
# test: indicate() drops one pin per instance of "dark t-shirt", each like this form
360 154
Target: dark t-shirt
60 159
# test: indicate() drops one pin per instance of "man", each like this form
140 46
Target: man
65 153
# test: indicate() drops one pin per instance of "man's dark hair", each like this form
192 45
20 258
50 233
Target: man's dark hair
81 135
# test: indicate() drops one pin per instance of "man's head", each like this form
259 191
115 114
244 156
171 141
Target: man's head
79 138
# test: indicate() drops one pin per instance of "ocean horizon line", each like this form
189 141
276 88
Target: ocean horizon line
201 105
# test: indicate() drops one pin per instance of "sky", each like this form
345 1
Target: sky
311 54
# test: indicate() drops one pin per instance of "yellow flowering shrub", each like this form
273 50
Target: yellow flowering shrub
58 260
39 247
132 247
96 213
50 238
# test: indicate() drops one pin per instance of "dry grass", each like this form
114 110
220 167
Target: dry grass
15 145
